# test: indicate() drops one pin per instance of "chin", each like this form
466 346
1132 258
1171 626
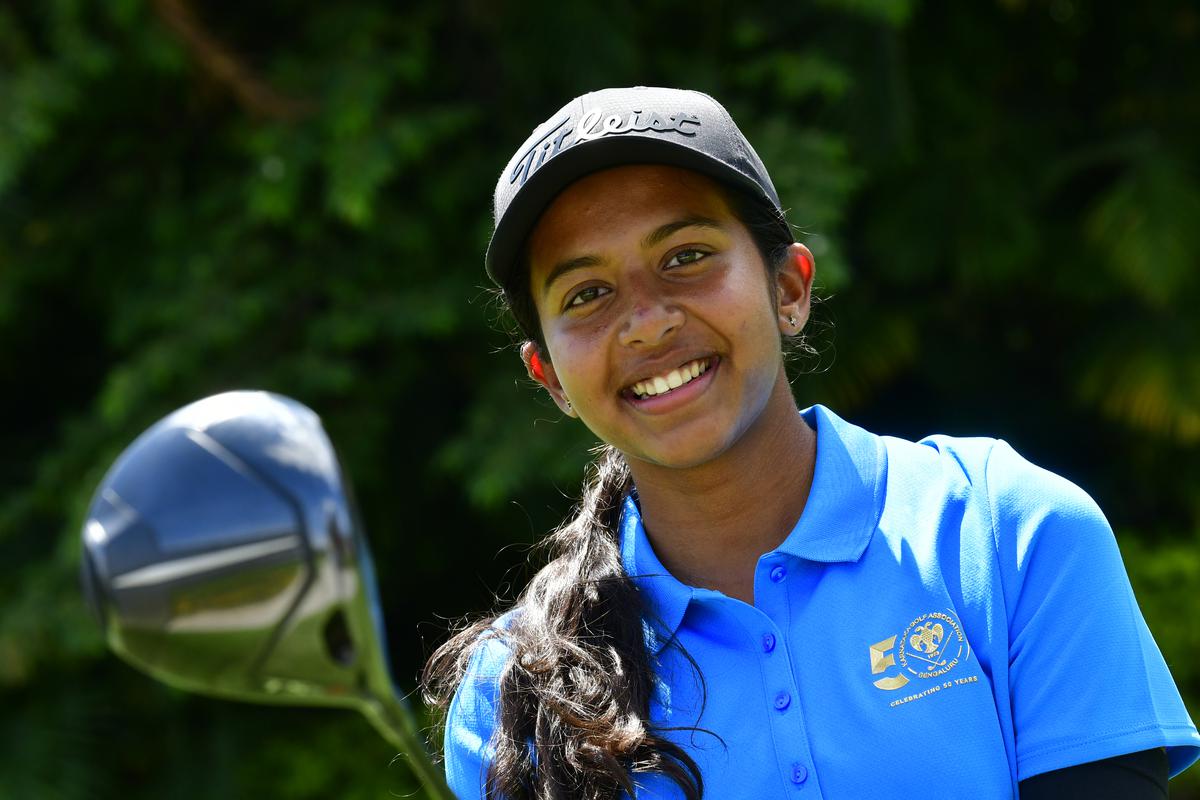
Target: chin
688 454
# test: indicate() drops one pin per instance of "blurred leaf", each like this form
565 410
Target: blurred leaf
32 99
815 177
1166 580
1145 228
792 77
1147 377
893 12
852 354
517 438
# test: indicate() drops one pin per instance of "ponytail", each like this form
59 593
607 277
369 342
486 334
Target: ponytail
578 681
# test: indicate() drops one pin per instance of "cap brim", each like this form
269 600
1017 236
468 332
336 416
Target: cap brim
584 158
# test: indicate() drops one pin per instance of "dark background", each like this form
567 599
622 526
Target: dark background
1002 198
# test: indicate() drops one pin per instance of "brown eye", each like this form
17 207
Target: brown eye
585 296
686 257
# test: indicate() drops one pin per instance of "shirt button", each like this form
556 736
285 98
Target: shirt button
799 773
768 642
783 700
778 573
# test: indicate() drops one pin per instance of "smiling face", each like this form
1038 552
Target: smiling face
660 319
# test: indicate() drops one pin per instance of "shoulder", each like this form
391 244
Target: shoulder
1028 497
1035 511
472 717
950 462
1020 495
1045 534
489 656
992 503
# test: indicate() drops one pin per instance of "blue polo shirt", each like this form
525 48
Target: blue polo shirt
945 620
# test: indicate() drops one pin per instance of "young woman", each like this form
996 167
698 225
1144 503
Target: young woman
755 601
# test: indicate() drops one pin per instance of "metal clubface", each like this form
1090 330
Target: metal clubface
223 555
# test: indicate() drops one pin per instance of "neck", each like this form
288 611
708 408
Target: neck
709 524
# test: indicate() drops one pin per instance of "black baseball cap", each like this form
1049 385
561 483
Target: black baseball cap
611 127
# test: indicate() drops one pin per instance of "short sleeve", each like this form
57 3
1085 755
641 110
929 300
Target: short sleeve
1087 680
471 721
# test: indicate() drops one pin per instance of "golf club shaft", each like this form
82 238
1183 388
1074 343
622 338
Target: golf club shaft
394 719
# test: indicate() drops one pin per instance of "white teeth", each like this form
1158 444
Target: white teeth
671 380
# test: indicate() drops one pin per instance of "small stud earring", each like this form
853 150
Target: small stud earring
792 321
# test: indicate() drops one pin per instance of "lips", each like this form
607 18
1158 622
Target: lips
669 380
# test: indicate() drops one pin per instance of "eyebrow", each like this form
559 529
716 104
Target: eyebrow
660 233
656 236
563 267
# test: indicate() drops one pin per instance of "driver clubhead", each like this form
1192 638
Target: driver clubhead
223 555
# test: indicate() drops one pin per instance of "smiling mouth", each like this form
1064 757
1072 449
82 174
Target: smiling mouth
669 381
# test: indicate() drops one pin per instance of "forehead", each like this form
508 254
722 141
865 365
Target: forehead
616 206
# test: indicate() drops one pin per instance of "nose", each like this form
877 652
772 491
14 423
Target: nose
650 321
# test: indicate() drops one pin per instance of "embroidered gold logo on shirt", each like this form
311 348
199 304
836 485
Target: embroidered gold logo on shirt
931 645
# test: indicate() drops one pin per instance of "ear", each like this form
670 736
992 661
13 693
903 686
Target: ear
541 371
794 289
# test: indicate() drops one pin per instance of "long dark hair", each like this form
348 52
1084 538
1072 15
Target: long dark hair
578 680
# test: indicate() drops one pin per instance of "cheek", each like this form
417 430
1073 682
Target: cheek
755 308
578 360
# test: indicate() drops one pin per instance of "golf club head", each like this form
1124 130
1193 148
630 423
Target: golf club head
223 555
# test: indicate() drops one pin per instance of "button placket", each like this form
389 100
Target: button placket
784 704
785 708
764 626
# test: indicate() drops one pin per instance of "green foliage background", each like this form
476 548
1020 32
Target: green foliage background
1002 196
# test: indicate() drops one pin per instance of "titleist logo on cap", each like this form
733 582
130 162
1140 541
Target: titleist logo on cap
594 125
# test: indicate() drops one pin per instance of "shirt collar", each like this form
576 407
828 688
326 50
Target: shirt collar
840 516
846 498
665 596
